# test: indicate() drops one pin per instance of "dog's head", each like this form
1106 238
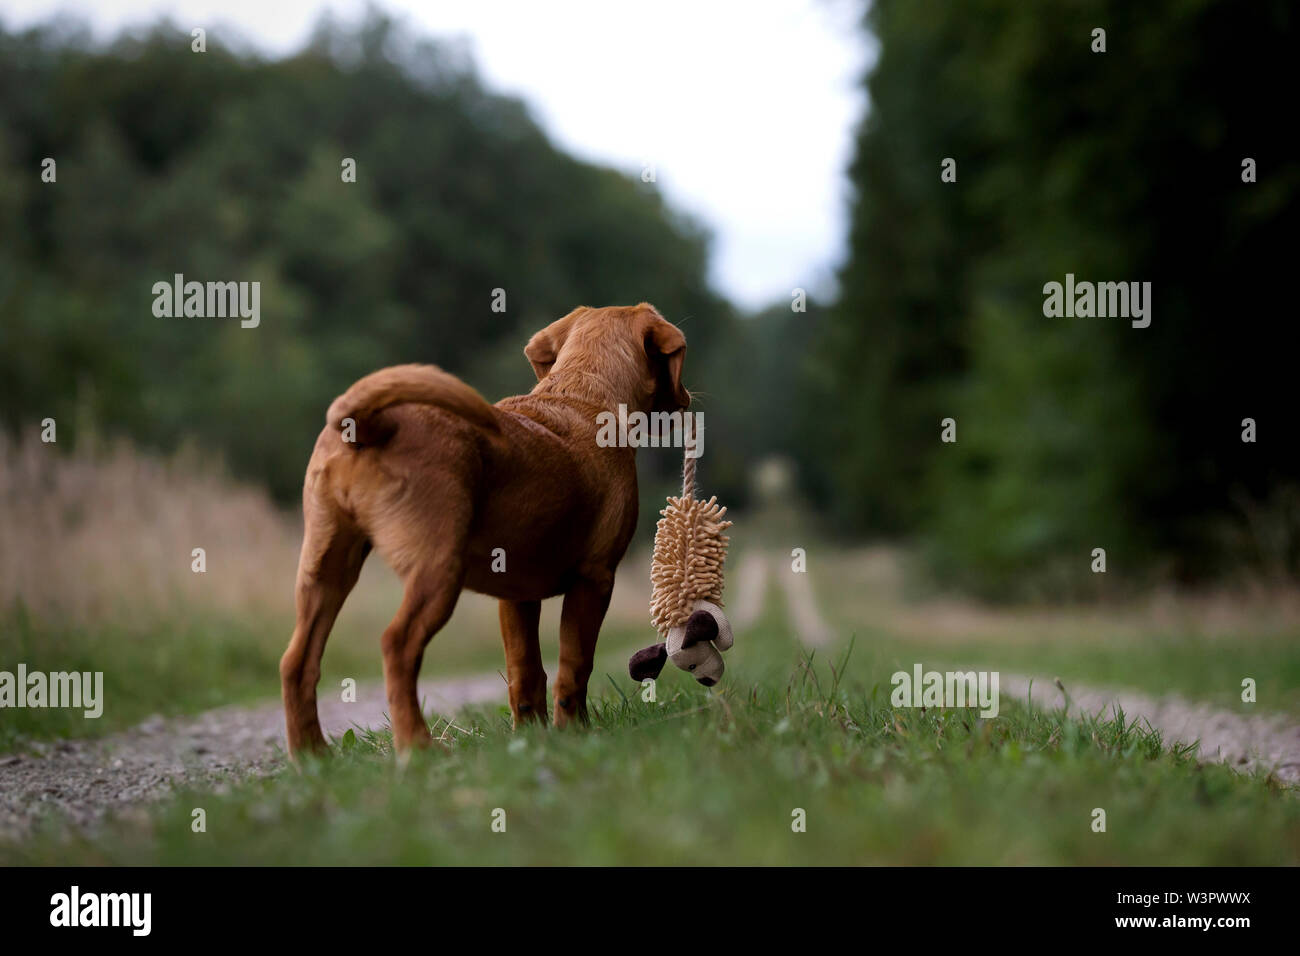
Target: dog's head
629 354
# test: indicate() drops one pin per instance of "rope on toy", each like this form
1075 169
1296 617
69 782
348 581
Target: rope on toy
690 549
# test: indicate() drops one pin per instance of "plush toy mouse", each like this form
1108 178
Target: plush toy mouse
686 600
694 647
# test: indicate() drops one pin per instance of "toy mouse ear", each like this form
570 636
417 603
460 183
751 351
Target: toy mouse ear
700 626
647 662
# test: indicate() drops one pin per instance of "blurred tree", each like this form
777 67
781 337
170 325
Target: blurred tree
1073 433
228 167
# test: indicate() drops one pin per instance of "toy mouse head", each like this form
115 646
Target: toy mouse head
693 646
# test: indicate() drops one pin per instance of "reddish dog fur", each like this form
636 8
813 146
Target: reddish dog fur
437 478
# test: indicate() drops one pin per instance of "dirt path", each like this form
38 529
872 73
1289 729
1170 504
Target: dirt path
84 779
751 586
1266 741
801 606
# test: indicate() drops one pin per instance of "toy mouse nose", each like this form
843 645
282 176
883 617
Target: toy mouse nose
706 681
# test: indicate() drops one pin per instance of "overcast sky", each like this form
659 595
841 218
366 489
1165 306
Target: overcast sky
745 109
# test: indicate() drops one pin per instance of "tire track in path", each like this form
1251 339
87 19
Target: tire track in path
1269 742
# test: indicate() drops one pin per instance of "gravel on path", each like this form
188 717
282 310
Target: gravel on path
85 779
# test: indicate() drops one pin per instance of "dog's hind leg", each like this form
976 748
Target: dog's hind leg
431 593
332 555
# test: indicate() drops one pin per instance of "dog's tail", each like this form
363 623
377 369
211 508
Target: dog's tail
420 384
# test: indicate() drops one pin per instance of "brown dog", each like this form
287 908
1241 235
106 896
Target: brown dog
437 479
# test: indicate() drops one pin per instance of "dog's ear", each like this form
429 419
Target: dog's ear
700 626
647 662
665 347
544 347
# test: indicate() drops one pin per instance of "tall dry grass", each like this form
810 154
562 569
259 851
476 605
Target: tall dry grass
871 584
110 532
107 534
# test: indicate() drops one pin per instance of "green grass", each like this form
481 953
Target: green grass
1113 646
160 667
713 777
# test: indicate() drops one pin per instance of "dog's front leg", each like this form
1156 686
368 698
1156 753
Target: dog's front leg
584 610
524 669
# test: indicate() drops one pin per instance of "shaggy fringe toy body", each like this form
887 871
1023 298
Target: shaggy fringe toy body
686 576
